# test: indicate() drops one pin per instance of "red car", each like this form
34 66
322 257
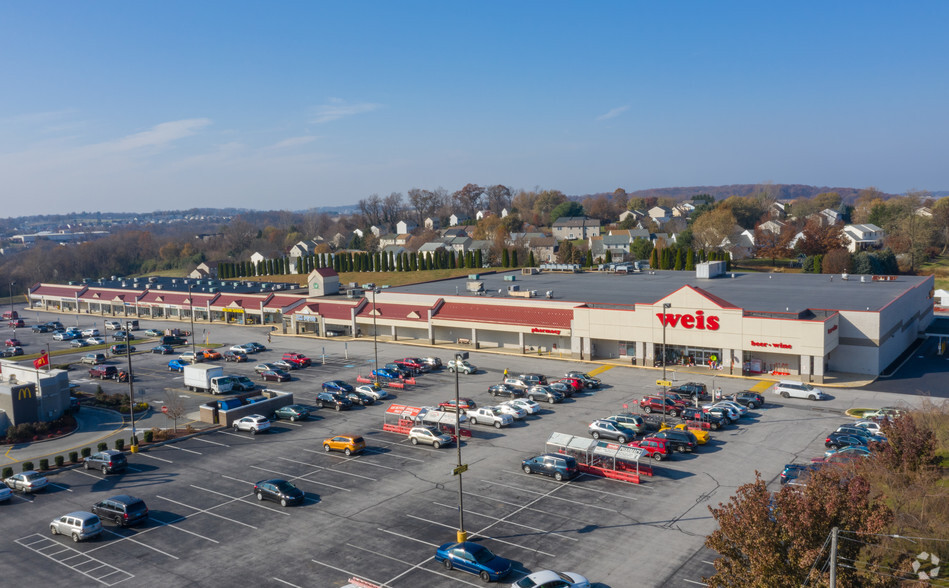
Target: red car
412 364
297 359
14 343
655 404
574 383
653 447
464 403
276 375
17 323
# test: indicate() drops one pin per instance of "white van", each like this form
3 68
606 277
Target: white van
788 389
112 325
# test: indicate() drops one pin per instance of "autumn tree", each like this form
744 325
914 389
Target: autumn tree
941 223
914 233
546 201
817 238
837 261
714 227
773 244
424 203
565 209
866 200
746 211
499 198
371 209
391 209
469 199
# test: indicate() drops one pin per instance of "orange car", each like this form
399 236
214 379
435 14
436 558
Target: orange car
348 444
210 354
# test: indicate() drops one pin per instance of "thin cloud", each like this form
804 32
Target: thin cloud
160 134
613 113
37 117
337 108
292 142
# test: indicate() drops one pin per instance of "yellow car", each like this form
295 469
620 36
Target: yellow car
348 444
701 435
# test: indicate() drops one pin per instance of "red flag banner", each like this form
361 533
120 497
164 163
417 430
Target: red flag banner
41 361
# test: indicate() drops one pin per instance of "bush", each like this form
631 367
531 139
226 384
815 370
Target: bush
7 472
148 436
73 457
59 460
44 464
86 451
120 444
27 465
102 446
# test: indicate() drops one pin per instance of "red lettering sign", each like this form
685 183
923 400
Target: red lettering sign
775 345
832 329
688 321
551 331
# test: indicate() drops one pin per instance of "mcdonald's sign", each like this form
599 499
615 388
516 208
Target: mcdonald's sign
24 393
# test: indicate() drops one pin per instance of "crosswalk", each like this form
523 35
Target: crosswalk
92 568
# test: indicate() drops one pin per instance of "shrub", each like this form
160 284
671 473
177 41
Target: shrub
27 465
148 436
102 446
59 460
86 451
44 464
73 457
120 444
7 472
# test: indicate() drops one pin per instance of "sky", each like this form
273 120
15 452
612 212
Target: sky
138 106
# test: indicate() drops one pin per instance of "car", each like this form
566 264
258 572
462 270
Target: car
95 341
575 383
173 340
78 525
872 426
473 558
701 435
284 365
77 343
12 351
515 412
489 415
292 412
63 336
359 398
464 403
176 365
275 375
794 471
278 490
110 461
629 420
534 379
516 383
54 325
163 349
254 423
40 328
256 346
505 390
862 432
845 454
588 380
27 482
386 374
154 332
16 323
660 403
5 494
337 386
234 356
210 354
429 436
461 366
654 447
566 389
413 365
723 413
837 440
691 390
265 367
376 392
93 358
348 444
403 372
191 357
789 389
433 362
112 325
103 372
90 332
544 394
123 510
740 409
244 348
552 579
333 400
610 430
729 410
528 405
122 335
121 349
297 359
887 413
242 383
750 399
559 467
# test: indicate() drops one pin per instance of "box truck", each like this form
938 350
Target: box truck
207 378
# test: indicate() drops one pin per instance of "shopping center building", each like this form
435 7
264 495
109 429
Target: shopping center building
799 325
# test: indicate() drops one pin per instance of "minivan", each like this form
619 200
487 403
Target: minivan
123 510
79 525
788 389
110 461
559 467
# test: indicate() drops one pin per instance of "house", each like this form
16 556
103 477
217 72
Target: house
779 209
208 269
504 212
431 223
342 239
402 239
405 226
432 247
830 217
388 239
543 248
304 248
458 244
637 215
660 214
631 234
379 230
457 219
924 211
860 237
617 245
483 213
775 227
393 249
483 245
575 227
359 233
257 256
323 281
683 209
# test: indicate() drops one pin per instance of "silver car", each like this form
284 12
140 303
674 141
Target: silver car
374 391
429 436
79 525
28 482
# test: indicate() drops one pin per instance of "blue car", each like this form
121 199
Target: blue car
337 386
473 558
386 373
177 365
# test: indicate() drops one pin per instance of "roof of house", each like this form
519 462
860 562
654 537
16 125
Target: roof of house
541 242
326 272
402 312
576 221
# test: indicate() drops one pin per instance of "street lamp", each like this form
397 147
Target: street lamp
665 307
11 308
128 357
194 355
375 346
462 535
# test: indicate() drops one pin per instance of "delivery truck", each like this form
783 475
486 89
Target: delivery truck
207 378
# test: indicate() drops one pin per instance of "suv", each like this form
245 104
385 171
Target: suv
242 383
610 430
428 435
655 404
560 467
332 400
516 383
103 372
788 389
505 390
750 399
466 405
348 444
254 423
413 364
79 525
90 332
121 349
112 325
297 359
461 366
678 439
630 421
693 389
93 358
534 379
544 394
110 462
588 380
123 510
490 415
697 414
654 447
837 440
432 362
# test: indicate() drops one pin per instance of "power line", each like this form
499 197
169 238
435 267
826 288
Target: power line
896 536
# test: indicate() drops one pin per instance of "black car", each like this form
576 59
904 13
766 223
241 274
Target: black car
715 422
750 399
793 471
360 398
691 389
110 461
565 389
123 510
559 467
163 349
588 380
837 440
257 347
544 394
41 329
401 370
678 439
231 355
334 401
505 390
278 490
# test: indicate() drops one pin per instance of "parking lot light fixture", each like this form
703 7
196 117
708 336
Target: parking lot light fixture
462 535
375 346
12 284
665 307
194 355
128 356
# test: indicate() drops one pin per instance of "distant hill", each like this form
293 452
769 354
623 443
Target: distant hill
781 191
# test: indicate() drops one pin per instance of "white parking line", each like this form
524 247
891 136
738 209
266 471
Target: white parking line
85 473
170 525
473 534
487 516
241 499
694 582
581 502
127 538
407 537
238 480
206 511
348 573
585 489
135 469
31 542
153 457
285 582
209 441
329 469
183 449
388 454
60 487
232 434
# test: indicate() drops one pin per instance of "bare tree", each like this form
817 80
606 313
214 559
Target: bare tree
424 202
371 208
391 208
174 407
499 198
469 199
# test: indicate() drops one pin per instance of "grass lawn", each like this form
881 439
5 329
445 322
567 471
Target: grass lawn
939 267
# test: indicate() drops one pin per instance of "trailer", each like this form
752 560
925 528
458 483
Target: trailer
399 418
600 458
207 378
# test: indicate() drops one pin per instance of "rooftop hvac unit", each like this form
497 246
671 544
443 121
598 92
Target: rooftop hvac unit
159 286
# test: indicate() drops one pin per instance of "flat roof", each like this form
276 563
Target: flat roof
206 285
751 291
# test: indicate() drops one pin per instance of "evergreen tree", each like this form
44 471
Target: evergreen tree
451 260
608 256
654 259
690 260
336 263
377 262
469 258
679 264
514 258
505 258
589 260
478 261
530 260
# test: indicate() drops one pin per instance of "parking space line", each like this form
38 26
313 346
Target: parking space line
241 499
127 538
171 525
554 497
238 480
85 473
203 440
303 477
231 434
135 469
207 511
419 565
585 489
479 514
60 487
525 507
101 578
407 537
348 573
694 582
329 469
285 582
153 457
378 452
481 534
183 449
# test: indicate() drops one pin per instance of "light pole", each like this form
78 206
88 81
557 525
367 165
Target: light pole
128 357
194 355
462 535
11 308
375 346
665 307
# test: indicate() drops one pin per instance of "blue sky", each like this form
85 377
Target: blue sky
139 106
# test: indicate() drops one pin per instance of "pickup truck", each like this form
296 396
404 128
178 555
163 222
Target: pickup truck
103 372
489 415
297 359
655 404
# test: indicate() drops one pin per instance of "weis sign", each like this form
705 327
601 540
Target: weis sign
689 321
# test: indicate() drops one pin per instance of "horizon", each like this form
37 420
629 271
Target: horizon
137 108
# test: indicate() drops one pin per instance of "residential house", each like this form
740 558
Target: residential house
402 239
342 239
683 209
543 248
483 213
617 245
405 226
205 270
379 230
359 233
387 240
393 249
257 256
516 239
637 215
778 210
660 214
575 227
457 218
459 244
830 217
432 247
504 212
431 223
924 211
456 232
860 237
775 227
305 248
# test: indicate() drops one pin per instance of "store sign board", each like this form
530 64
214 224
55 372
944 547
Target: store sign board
699 320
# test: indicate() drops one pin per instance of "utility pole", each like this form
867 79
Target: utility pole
833 557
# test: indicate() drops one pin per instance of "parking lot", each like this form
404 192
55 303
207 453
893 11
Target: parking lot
381 514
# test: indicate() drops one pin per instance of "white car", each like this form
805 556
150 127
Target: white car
742 410
789 389
489 415
374 391
90 332
190 357
552 579
872 426
254 423
461 366
112 325
27 482
95 341
517 413
529 405
733 414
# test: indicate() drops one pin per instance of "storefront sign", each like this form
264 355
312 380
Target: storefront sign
832 329
551 331
688 321
234 310
777 345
